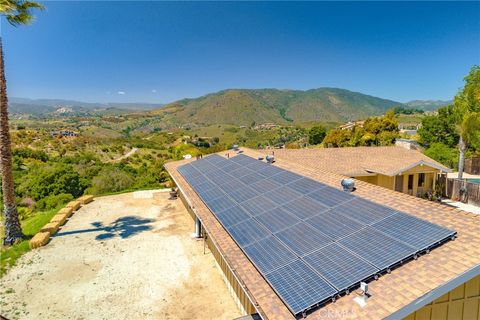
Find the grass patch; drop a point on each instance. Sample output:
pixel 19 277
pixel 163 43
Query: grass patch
pixel 30 226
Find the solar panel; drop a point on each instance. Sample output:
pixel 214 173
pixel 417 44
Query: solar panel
pixel 215 159
pixel 232 186
pixel 277 219
pixel 243 159
pixel 258 205
pixel 330 196
pixel 285 177
pixel 305 185
pixel 220 204
pixel 269 170
pixel 415 232
pixel 205 185
pixel 269 254
pixel 195 179
pixel 243 193
pixel 232 216
pixel 309 240
pixel 251 178
pixel 299 287
pixel 256 166
pixel 210 194
pixel 304 207
pixel 247 232
pixel 231 167
pixel 334 226
pixel 303 239
pixel 340 267
pixel 282 195
pixel 265 185
pixel 188 170
pixel 240 172
pixel 363 211
pixel 377 248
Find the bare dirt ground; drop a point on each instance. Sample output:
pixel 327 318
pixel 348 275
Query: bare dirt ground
pixel 119 257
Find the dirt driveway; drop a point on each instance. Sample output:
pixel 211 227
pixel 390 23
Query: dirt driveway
pixel 119 257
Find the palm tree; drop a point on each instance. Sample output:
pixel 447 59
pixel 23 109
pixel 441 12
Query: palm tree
pixel 17 12
pixel 467 110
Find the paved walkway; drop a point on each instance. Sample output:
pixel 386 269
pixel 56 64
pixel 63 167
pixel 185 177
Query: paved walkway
pixel 463 206
pixel 126 256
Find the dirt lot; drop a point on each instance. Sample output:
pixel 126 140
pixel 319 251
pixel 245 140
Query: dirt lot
pixel 120 257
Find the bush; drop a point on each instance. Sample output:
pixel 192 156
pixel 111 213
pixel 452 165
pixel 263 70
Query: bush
pixel 53 201
pixel 111 180
pixel 45 180
pixel 316 135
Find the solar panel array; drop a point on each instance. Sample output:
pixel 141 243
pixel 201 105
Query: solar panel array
pixel 310 241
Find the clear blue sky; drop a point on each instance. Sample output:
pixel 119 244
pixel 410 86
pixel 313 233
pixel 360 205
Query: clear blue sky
pixel 159 52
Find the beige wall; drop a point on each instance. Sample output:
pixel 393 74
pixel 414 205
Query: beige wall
pixel 462 303
pixel 389 182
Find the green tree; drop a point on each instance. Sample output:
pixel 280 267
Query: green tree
pixel 337 138
pixel 443 154
pixel 440 128
pixel 316 134
pixel 17 13
pixel 467 108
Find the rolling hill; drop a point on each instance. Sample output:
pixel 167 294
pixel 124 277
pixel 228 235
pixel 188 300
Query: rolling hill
pixel 427 105
pixel 59 107
pixel 244 106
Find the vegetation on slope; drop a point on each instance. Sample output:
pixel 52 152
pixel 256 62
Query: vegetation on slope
pixel 243 106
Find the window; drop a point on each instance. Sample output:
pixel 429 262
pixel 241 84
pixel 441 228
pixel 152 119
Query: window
pixel 421 179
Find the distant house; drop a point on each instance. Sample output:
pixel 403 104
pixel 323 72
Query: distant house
pixel 64 133
pixel 349 125
pixel 396 168
pixel 408 144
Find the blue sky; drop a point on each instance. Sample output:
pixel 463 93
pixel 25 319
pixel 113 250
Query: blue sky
pixel 162 51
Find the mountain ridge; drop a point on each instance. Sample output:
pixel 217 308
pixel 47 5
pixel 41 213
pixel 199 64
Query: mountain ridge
pixel 244 106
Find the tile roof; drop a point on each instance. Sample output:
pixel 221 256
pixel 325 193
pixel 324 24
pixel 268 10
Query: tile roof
pixel 390 292
pixel 361 161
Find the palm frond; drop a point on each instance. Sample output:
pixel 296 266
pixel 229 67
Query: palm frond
pixel 18 12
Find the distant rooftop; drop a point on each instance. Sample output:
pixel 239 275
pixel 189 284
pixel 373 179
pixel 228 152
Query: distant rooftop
pixel 361 161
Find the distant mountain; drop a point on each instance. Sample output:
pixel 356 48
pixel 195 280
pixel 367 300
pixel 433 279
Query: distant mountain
pixel 59 107
pixel 244 106
pixel 428 105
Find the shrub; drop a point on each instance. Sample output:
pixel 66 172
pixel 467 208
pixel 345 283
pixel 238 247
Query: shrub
pixel 53 201
pixel 111 180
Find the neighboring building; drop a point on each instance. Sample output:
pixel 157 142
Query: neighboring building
pixel 395 168
pixel 64 133
pixel 408 144
pixel 351 124
pixel 444 284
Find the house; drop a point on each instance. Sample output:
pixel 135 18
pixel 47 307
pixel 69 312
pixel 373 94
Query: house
pixel 351 124
pixel 441 284
pixel 396 168
pixel 64 133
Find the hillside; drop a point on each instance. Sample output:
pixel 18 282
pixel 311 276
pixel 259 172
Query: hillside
pixel 427 105
pixel 244 106
pixel 57 107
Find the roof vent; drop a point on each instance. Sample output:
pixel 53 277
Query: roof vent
pixel 270 159
pixel 348 185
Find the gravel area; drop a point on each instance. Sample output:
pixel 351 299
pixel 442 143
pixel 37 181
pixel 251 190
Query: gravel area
pixel 127 256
